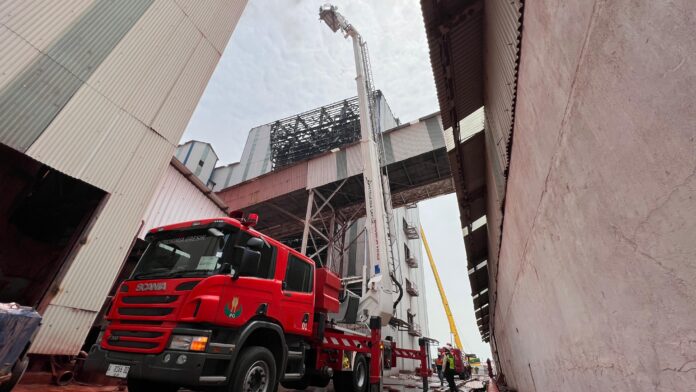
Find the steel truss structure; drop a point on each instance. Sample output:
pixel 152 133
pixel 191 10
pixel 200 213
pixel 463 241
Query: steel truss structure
pixel 307 134
pixel 325 227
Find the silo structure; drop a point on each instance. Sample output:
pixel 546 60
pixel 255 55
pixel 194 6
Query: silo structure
pixel 199 157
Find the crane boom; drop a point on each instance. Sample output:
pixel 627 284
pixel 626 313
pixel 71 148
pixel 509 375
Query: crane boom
pixel 445 304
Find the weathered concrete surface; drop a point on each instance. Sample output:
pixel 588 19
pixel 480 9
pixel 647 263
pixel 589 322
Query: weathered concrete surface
pixel 596 285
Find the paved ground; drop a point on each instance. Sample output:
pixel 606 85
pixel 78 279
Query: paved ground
pixel 391 384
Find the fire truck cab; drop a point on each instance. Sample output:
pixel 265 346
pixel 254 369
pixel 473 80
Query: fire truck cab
pixel 216 298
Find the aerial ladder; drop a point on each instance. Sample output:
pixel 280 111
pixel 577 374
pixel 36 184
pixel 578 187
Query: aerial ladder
pixel 377 298
pixel 453 327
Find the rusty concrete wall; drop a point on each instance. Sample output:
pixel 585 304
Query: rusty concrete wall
pixel 596 286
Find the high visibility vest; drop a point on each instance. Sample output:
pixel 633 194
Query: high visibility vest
pixel 450 361
pixel 438 361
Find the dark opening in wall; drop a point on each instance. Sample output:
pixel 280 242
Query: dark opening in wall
pixel 43 213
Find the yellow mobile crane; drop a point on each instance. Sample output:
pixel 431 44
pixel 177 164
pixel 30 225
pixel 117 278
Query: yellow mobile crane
pixel 445 304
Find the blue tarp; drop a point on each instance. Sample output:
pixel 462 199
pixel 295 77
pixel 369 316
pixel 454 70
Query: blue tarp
pixel 18 324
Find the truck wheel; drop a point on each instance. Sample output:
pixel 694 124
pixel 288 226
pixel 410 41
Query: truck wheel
pixel 17 372
pixel 353 381
pixel 138 385
pixel 255 371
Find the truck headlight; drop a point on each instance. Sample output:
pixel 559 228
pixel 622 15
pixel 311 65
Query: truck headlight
pixel 188 343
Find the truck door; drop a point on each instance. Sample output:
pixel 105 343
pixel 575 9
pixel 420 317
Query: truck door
pixel 298 295
pixel 254 287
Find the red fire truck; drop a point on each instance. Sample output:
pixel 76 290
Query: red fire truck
pixel 462 367
pixel 214 304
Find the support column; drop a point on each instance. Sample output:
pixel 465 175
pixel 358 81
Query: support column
pixel 307 222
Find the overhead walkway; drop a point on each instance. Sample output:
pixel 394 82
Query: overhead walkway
pixel 331 184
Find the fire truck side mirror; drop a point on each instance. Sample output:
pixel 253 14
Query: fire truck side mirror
pixel 250 262
pixel 255 243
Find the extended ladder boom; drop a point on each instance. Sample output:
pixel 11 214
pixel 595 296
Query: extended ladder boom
pixel 377 298
pixel 445 304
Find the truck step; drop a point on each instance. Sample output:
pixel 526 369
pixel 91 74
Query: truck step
pixel 295 355
pixel 292 376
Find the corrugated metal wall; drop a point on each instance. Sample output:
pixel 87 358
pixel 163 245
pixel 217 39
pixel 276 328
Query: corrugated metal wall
pixel 417 138
pixel 267 187
pixel 501 61
pixel 256 157
pixel 223 175
pixel 502 36
pixel 177 200
pixel 404 142
pixel 134 72
pixel 321 170
pixel 33 98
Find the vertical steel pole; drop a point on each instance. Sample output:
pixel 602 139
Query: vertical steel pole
pixel 307 222
pixel 425 366
pixel 332 241
pixel 376 354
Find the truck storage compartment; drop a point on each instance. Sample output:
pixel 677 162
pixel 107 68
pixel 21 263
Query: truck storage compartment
pixel 328 286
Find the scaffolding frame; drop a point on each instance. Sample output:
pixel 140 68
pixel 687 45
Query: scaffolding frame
pixel 296 138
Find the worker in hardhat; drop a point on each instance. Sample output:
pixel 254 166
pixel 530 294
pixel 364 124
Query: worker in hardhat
pixel 450 370
pixel 438 367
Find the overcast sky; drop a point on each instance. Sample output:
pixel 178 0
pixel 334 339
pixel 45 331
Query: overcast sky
pixel 281 60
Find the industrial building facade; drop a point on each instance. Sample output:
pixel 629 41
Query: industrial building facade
pixel 94 97
pixel 296 138
pixel 582 272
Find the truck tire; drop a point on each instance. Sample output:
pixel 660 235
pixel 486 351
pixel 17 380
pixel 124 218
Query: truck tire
pixel 255 371
pixel 138 385
pixel 17 372
pixel 356 380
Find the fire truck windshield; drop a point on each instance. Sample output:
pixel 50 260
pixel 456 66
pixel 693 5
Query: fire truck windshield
pixel 198 253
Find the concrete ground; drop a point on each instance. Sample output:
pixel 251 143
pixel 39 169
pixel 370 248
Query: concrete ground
pixel 391 385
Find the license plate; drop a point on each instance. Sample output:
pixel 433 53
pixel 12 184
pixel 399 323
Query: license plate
pixel 120 371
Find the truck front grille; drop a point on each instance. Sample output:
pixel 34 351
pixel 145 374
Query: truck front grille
pixel 149 299
pixel 133 344
pixel 145 311
pixel 137 334
pixel 135 337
